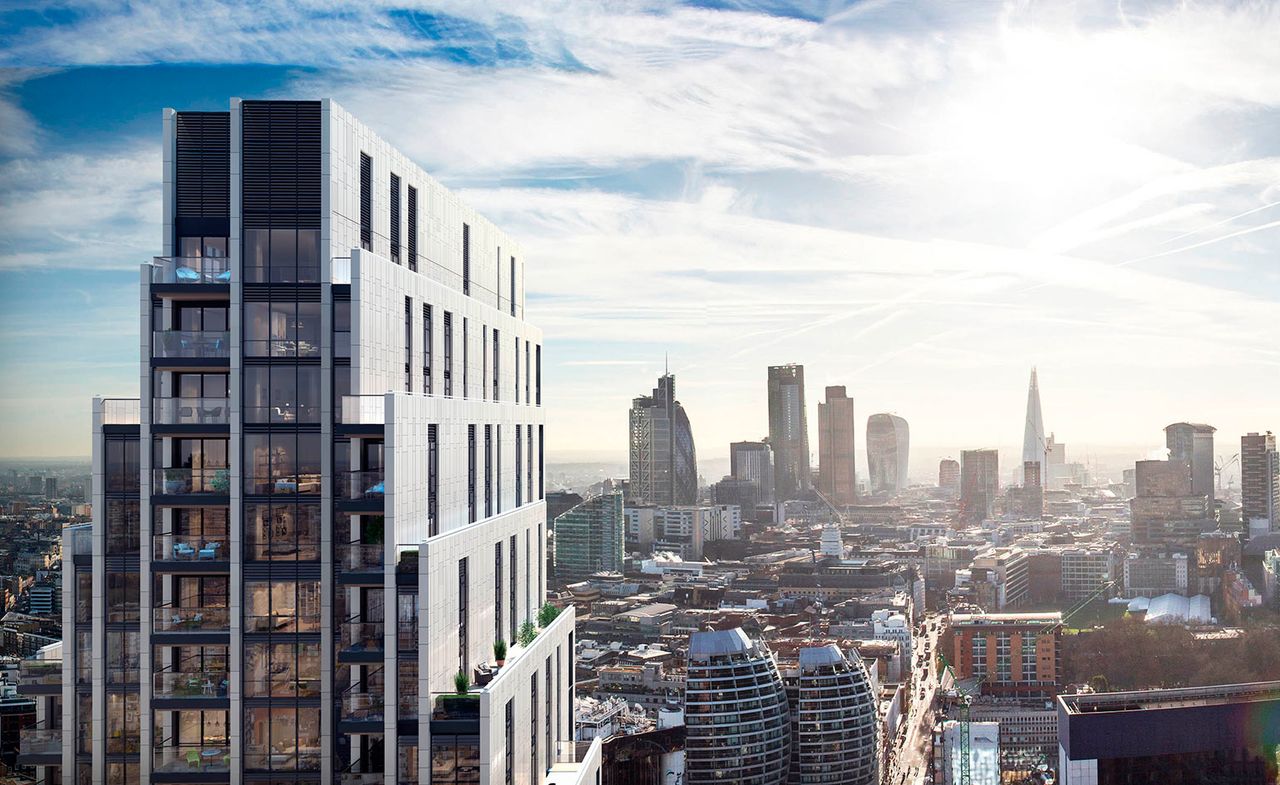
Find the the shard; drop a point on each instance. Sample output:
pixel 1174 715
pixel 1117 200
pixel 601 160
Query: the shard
pixel 1033 431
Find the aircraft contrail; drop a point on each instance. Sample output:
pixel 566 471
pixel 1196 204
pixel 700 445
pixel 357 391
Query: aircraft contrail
pixel 1220 223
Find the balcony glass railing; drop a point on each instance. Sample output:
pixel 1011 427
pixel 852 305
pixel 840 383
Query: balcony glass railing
pixel 361 410
pixel 360 484
pixel 282 622
pixel 185 684
pixel 191 269
pixel 181 480
pixel 190 547
pixel 200 619
pixel 45 672
pixel 407 635
pixel 121 411
pixel 191 411
pixel 408 706
pixel 360 778
pixel 191 758
pixel 40 741
pixel 282 685
pixel 362 636
pixel 359 557
pixel 190 344
pixel 362 706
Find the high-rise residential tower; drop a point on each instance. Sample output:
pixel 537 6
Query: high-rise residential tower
pixel 1192 444
pixel 979 484
pixel 888 446
pixel 1259 481
pixel 949 477
pixel 739 735
pixel 836 476
pixel 1033 446
pixel 834 729
pixel 328 501
pixel 753 462
pixel 788 432
pixel 589 538
pixel 664 466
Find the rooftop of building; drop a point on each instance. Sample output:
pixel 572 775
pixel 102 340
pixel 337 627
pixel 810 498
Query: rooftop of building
pixel 1180 697
pixel 1051 617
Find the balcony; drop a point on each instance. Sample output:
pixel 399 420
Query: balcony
pixel 407 635
pixel 361 410
pixel 191 270
pixel 191 758
pixel 360 484
pixel 360 778
pixel 121 411
pixel 178 481
pixel 362 637
pixel 36 674
pixel 408 708
pixel 40 741
pixel 191 411
pixel 178 685
pixel 198 619
pixel 282 685
pixel 190 344
pixel 359 706
pixel 190 547
pixel 359 557
pixel 283 622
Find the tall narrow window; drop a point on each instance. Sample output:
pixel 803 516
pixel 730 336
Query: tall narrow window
pixel 497 285
pixel 537 387
pixel 471 473
pixel 526 372
pixel 497 469
pixel 528 573
pixel 496 351
pixel 366 202
pixel 546 708
pixel 412 239
pixel 463 588
pixel 513 286
pixel 408 343
pixel 466 259
pixel 488 470
pixel 519 476
pixel 395 218
pixel 433 481
pixel 510 721
pixel 466 362
pixel 515 367
pixel 533 726
pixel 529 467
pixel 539 589
pixel 484 360
pixel 497 591
pixel 448 354
pixel 513 621
pixel 426 348
pixel 559 692
pixel 541 444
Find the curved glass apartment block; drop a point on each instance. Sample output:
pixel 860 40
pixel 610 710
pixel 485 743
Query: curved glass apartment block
pixel 833 721
pixel 736 718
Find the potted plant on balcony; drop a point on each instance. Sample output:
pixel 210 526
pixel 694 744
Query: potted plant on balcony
pixel 462 703
pixel 527 633
pixel 499 652
pixel 547 614
pixel 174 480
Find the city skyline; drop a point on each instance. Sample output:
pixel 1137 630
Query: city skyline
pixel 1132 283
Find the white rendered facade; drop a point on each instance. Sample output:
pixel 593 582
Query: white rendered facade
pixel 365 481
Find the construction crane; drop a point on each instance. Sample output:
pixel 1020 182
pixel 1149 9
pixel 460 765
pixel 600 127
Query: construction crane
pixel 1222 464
pixel 1104 587
pixel 965 699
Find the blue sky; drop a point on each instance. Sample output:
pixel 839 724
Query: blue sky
pixel 917 200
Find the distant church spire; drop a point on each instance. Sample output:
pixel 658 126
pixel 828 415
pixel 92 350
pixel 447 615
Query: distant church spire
pixel 1033 431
